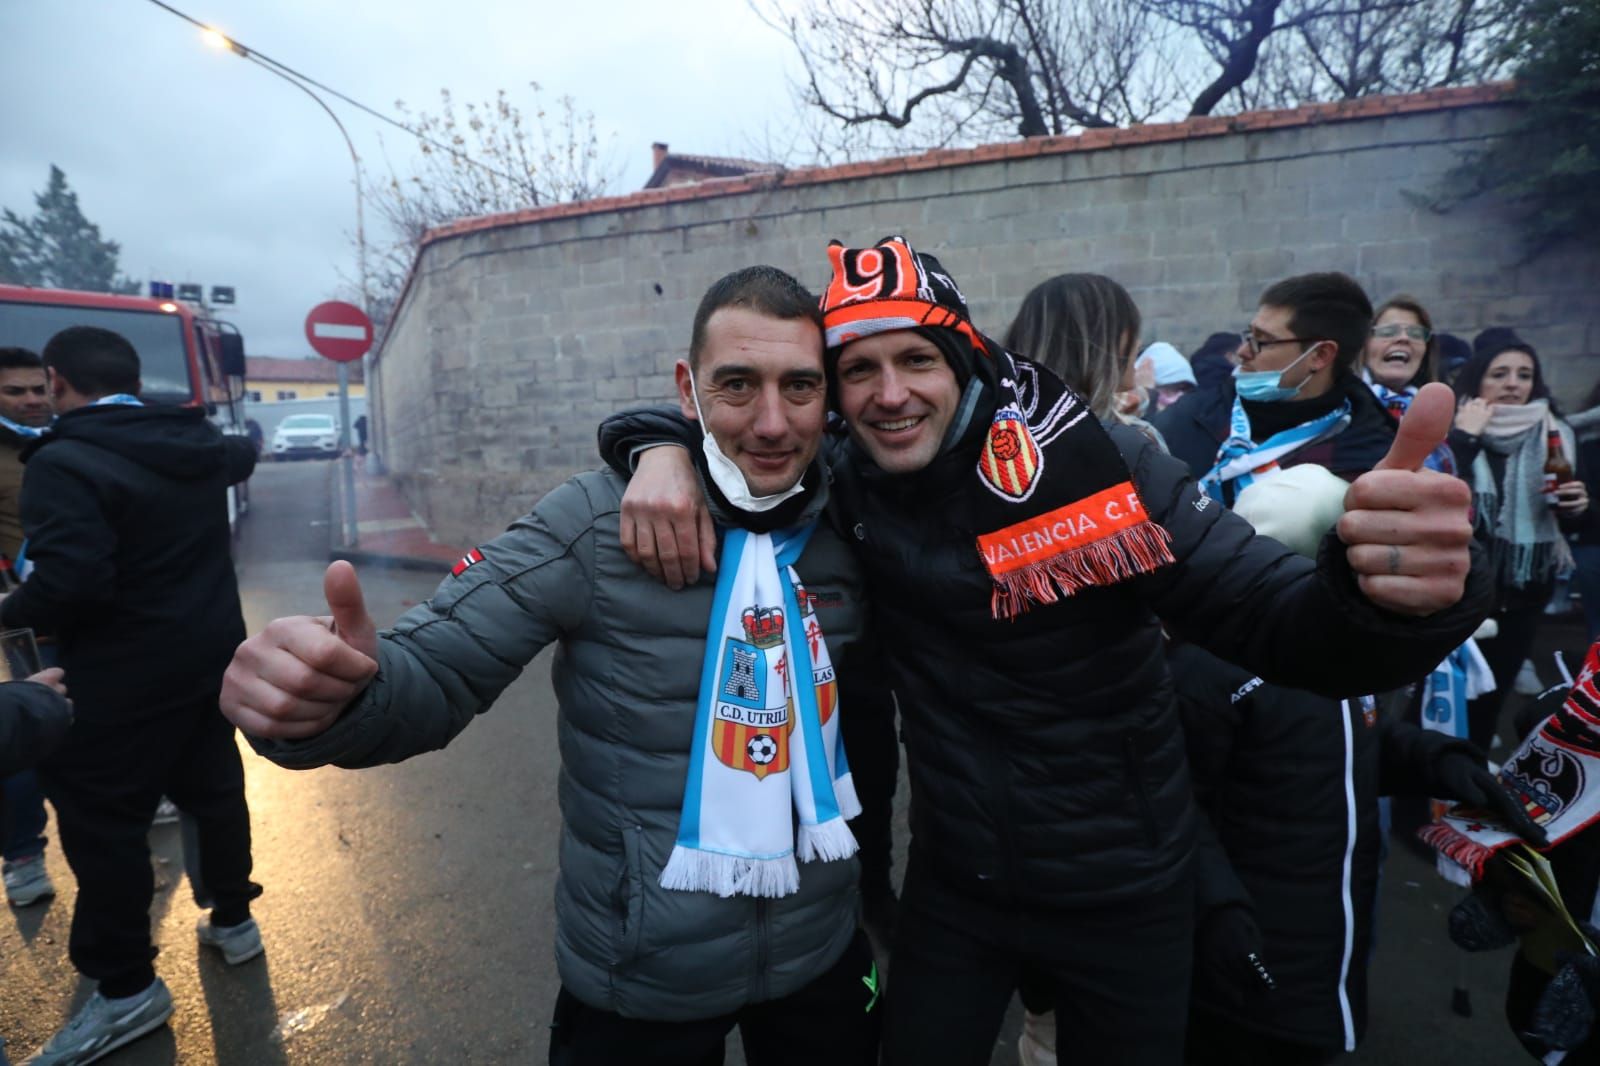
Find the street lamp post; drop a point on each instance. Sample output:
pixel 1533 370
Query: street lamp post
pixel 221 40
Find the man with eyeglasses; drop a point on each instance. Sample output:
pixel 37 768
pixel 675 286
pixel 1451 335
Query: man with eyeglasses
pixel 1295 397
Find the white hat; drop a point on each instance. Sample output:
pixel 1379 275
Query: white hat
pixel 1295 506
pixel 1169 365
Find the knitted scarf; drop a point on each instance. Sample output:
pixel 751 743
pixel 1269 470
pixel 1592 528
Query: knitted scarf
pixel 1555 772
pixel 1397 403
pixel 767 748
pixel 1514 514
pixel 25 432
pixel 1055 503
pixel 1241 458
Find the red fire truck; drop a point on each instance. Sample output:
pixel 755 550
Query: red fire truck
pixel 184 357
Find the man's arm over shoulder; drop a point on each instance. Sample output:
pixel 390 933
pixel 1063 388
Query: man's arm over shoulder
pixel 71 543
pixel 624 434
pixel 1255 603
pixel 447 660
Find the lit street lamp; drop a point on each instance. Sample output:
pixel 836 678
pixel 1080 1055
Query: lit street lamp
pixel 217 39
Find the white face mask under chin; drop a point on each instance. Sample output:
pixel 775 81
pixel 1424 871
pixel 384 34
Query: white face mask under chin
pixel 727 476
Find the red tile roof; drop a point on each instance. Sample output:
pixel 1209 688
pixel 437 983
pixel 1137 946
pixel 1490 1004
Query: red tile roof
pixel 280 368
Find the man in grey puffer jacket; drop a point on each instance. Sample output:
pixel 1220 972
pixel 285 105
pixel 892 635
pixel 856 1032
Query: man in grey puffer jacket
pixel 648 975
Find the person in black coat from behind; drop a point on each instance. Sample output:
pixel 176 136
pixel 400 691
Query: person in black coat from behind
pixel 1287 863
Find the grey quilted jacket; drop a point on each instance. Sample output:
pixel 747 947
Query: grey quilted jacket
pixel 626 677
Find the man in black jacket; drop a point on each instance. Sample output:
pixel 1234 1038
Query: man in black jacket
pixel 1295 396
pixel 1052 817
pixel 126 515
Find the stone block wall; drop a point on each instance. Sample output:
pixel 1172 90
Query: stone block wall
pixel 517 334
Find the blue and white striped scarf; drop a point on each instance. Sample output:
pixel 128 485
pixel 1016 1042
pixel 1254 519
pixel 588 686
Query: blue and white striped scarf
pixel 1240 458
pixel 767 750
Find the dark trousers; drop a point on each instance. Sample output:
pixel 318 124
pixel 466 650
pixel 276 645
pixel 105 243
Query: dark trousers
pixel 1216 1041
pixel 1505 653
pixel 833 1020
pixel 1118 975
pixel 22 817
pixel 104 783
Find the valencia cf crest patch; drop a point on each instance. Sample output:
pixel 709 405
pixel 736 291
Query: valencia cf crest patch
pixel 1010 463
pixel 472 558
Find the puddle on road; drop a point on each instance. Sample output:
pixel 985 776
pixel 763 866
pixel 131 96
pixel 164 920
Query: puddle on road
pixel 293 1023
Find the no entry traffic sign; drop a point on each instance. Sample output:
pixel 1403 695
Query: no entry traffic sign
pixel 339 331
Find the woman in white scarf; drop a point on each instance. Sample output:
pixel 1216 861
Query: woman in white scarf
pixel 1505 431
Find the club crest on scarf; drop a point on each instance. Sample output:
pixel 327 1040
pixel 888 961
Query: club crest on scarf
pixel 749 733
pixel 1010 461
pixel 822 676
pixel 1555 773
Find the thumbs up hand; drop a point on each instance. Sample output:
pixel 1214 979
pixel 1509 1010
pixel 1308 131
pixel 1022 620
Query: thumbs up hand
pixel 1407 530
pixel 295 677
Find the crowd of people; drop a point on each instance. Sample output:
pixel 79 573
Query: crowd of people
pixel 1156 632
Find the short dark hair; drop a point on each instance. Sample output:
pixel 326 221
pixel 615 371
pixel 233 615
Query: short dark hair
pixel 94 361
pixel 1080 326
pixel 1328 306
pixel 765 290
pixel 19 359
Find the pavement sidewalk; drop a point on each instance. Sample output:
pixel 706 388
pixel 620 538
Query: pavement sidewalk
pixel 388 532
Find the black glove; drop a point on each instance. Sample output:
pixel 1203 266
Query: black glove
pixel 1462 775
pixel 1564 1016
pixel 1476 924
pixel 1229 957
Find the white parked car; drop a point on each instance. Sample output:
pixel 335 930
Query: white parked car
pixel 306 435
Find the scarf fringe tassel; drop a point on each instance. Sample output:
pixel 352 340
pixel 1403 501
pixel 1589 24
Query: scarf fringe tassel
pixel 844 794
pixel 1466 853
pixel 1137 550
pixel 691 870
pixel 829 841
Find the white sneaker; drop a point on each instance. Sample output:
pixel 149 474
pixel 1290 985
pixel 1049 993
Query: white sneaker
pixel 26 881
pixel 238 943
pixel 103 1025
pixel 1527 682
pixel 1037 1045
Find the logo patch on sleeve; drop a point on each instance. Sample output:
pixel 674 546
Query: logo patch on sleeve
pixel 472 558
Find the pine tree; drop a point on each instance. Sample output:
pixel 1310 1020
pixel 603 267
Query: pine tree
pixel 58 247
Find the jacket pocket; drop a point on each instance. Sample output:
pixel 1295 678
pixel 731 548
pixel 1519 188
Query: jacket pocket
pixel 1141 792
pixel 629 902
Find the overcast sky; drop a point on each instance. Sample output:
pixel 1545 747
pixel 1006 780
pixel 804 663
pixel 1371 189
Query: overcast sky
pixel 207 168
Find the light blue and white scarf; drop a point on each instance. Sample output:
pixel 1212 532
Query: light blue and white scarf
pixel 1464 675
pixel 767 750
pixel 1240 458
pixel 25 432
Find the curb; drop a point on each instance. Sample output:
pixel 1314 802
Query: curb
pixel 381 560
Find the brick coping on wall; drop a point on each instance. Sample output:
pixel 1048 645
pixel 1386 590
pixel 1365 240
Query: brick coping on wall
pixel 1365 107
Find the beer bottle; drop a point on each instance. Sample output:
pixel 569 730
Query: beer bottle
pixel 1557 471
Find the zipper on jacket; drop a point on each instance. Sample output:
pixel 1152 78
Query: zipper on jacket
pixel 1130 747
pixel 761 951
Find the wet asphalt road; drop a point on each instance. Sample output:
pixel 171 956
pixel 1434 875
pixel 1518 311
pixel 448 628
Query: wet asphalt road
pixel 407 914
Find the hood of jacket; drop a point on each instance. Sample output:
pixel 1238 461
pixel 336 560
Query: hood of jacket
pixel 177 442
